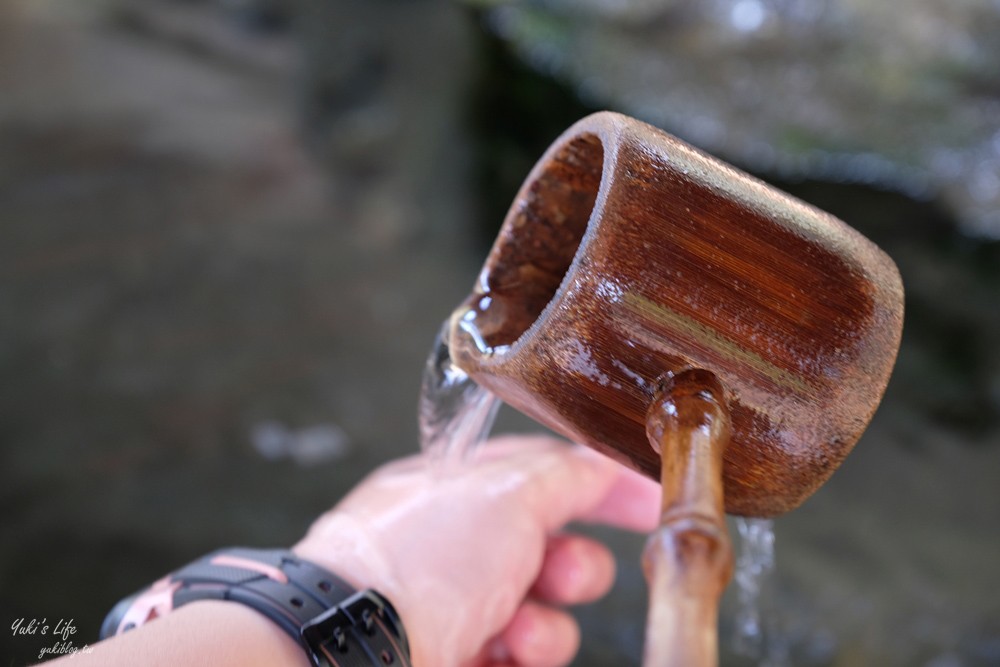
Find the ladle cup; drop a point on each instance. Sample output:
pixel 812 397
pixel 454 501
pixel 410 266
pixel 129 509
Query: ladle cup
pixel 628 255
pixel 656 304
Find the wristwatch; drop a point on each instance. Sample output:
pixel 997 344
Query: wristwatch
pixel 335 625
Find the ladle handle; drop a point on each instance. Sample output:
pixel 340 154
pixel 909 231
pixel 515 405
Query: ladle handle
pixel 688 560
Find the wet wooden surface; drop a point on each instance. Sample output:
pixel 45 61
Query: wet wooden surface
pixel 670 260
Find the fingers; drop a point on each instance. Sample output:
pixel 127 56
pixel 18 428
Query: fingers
pixel 575 482
pixel 575 570
pixel 571 483
pixel 633 502
pixel 539 636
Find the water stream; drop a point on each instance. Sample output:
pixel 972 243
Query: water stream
pixel 752 636
pixel 455 413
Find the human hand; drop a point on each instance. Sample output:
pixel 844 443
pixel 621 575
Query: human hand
pixel 473 558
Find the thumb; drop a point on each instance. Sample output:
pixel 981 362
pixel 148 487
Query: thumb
pixel 572 482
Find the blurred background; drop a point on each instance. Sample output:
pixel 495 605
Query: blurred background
pixel 230 229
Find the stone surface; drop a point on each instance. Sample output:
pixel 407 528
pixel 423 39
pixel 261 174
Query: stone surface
pixel 896 94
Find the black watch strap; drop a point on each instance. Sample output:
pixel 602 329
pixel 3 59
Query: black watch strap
pixel 336 626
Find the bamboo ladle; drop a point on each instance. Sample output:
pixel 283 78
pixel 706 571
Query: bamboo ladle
pixel 692 322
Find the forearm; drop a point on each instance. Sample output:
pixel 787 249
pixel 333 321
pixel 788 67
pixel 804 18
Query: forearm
pixel 202 633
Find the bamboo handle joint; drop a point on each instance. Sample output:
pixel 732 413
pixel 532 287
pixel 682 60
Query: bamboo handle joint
pixel 688 560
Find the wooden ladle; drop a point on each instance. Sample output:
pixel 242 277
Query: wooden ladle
pixel 643 293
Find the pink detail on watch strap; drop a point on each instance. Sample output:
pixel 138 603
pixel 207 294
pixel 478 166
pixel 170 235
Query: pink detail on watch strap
pixel 154 602
pixel 268 571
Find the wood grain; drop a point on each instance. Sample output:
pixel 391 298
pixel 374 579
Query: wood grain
pixel 628 254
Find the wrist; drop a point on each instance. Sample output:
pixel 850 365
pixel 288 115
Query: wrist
pixel 209 632
pixel 346 550
pixel 229 629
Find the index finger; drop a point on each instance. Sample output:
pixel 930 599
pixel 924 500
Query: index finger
pixel 576 483
pixel 632 502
